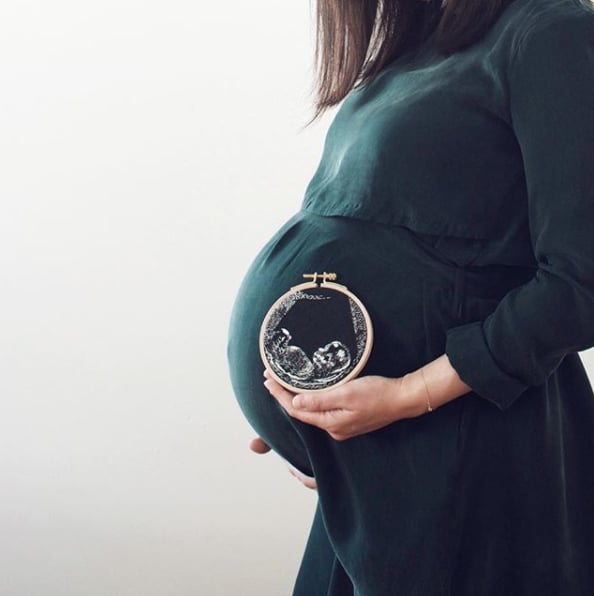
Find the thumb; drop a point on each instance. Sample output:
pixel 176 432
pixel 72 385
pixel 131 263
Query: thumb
pixel 257 445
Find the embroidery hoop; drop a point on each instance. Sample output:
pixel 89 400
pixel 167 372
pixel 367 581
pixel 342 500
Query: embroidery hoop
pixel 331 363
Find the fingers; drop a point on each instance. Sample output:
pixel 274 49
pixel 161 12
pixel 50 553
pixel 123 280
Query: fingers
pixel 284 397
pixel 257 445
pixel 332 421
pixel 307 481
pixel 331 399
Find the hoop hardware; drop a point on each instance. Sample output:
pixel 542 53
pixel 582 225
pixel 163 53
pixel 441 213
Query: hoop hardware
pixel 325 277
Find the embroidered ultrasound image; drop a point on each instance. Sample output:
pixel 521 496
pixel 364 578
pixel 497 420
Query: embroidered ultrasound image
pixel 314 338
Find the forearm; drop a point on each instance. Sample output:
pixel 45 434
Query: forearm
pixel 437 383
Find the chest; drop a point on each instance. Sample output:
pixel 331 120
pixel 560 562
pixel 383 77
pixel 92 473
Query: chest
pixel 426 141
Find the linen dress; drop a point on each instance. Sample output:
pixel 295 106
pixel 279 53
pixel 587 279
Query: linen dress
pixel 455 197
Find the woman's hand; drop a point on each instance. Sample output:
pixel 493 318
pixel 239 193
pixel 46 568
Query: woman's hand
pixel 307 481
pixel 257 445
pixel 357 407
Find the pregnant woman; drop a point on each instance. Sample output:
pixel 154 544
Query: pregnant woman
pixel 455 198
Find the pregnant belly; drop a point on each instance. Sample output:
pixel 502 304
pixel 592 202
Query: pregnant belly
pixel 406 290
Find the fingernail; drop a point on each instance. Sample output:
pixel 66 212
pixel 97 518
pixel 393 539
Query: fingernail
pixel 297 401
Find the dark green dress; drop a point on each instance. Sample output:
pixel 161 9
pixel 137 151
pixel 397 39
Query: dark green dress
pixel 455 197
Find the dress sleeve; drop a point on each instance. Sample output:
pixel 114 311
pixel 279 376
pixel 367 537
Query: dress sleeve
pixel 551 92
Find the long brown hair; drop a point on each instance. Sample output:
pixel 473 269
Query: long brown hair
pixel 355 39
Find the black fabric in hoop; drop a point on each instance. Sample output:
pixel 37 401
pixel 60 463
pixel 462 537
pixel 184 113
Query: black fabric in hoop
pixel 316 336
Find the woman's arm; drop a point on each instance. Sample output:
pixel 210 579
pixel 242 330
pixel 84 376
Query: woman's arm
pixel 437 382
pixel 368 403
pixel 550 82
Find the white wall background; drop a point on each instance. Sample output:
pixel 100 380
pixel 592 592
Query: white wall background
pixel 148 150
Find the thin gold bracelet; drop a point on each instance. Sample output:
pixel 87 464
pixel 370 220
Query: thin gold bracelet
pixel 429 407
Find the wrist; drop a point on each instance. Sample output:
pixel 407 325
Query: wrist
pixel 414 392
pixel 437 383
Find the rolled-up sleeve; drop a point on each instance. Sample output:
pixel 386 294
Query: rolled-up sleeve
pixel 551 102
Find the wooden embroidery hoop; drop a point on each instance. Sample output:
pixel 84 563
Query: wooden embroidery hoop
pixel 327 283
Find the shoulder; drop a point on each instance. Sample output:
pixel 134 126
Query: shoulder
pixel 546 22
pixel 542 13
pixel 542 32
